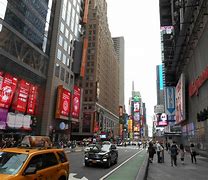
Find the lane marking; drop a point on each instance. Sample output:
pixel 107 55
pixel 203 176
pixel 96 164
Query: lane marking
pixel 119 166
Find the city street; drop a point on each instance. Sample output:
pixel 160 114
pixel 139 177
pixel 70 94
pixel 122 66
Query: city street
pixel 122 170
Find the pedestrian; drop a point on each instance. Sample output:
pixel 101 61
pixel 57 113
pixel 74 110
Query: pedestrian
pixel 173 153
pixel 193 153
pixel 151 151
pixel 159 150
pixel 182 153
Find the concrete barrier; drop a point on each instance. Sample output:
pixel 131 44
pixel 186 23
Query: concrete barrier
pixel 142 174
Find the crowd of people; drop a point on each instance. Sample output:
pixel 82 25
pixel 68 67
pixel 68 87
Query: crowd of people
pixel 175 151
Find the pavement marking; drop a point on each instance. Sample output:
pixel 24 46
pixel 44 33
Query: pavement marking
pixel 119 166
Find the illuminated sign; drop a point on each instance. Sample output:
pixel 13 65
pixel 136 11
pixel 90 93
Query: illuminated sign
pixel 76 102
pixel 63 103
pixel 196 84
pixel 7 90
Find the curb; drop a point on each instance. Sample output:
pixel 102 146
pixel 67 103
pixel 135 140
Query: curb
pixel 142 174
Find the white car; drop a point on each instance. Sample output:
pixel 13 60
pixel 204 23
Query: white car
pixel 87 149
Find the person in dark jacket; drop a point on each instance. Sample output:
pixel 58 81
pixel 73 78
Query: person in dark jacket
pixel 173 153
pixel 151 151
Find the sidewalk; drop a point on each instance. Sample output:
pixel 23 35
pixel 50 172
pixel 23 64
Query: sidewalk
pixel 164 171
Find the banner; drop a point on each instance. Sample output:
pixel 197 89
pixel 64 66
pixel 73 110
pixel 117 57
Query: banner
pixel 7 91
pixel 63 103
pixel 21 96
pixel 33 92
pixel 76 102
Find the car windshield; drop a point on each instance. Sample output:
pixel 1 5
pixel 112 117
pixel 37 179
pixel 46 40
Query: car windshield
pixel 10 163
pixel 105 147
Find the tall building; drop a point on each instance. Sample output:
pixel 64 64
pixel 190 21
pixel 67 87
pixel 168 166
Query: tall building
pixel 36 56
pixel 120 51
pixel 25 32
pixel 101 80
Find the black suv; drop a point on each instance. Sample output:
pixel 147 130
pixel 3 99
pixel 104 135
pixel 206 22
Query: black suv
pixel 105 154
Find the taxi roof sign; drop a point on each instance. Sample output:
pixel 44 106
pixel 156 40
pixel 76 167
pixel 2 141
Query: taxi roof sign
pixel 37 141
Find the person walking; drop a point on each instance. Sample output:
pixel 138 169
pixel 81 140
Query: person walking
pixel 173 153
pixel 182 153
pixel 159 150
pixel 193 153
pixel 151 151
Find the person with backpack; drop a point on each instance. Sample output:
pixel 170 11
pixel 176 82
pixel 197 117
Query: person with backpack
pixel 173 153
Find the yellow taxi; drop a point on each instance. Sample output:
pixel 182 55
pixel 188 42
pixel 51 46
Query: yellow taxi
pixel 34 159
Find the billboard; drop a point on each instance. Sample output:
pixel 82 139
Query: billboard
pixel 76 102
pixel 63 103
pixel 170 103
pixel 33 92
pixel 21 96
pixel 7 90
pixel 180 100
pixel 161 120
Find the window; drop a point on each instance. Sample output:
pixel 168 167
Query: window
pixel 62 157
pixel 62 27
pixel 57 70
pixel 49 160
pixel 60 40
pixel 65 45
pixel 59 54
pixel 64 59
pixel 67 78
pixel 62 73
pixel 67 33
pixel 64 13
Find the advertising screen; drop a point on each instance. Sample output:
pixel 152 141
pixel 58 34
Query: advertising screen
pixel 63 103
pixel 76 102
pixel 7 90
pixel 33 92
pixel 21 96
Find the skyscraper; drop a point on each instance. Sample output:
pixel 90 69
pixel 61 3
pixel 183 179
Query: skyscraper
pixel 101 80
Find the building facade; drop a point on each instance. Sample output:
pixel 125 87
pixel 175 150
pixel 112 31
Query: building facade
pixel 185 66
pixel 25 32
pixel 36 57
pixel 101 80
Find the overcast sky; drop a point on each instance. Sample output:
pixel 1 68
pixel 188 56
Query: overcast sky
pixel 138 21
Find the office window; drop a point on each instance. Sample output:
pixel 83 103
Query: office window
pixel 67 33
pixel 60 40
pixel 62 73
pixel 62 27
pixel 67 78
pixel 57 70
pixel 59 54
pixel 64 59
pixel 65 45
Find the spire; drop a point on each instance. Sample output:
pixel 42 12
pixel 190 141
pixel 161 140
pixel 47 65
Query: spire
pixel 132 85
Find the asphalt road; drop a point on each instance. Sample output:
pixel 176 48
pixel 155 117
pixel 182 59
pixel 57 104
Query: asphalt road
pixel 79 171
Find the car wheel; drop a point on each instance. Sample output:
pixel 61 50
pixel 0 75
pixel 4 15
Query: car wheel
pixel 108 163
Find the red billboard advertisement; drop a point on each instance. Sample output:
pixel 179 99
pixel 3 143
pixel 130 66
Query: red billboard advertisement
pixel 32 99
pixel 7 91
pixel 76 102
pixel 21 96
pixel 63 103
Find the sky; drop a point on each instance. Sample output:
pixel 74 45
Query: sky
pixel 139 23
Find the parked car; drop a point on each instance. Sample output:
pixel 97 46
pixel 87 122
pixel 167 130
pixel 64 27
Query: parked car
pixel 34 159
pixel 106 155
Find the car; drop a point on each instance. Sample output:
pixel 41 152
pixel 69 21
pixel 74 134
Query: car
pixel 106 155
pixel 34 158
pixel 87 148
